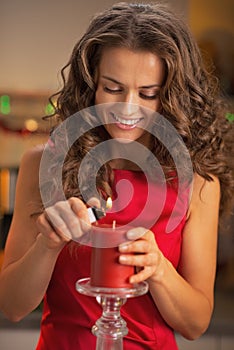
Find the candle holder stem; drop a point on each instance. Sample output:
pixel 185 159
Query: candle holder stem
pixel 109 344
pixel 111 327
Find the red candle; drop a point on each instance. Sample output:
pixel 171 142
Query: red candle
pixel 106 271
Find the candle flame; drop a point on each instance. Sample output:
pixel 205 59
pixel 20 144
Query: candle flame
pixel 109 203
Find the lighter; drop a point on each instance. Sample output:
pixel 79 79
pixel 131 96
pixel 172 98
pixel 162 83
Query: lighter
pixel 95 214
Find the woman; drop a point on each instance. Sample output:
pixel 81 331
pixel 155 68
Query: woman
pixel 138 57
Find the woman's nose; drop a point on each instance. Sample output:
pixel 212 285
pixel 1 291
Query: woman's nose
pixel 130 103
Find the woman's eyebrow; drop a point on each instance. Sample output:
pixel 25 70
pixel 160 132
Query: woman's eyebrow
pixel 112 79
pixel 119 83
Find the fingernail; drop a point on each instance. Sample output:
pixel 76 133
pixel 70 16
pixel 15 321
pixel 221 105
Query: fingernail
pixel 136 233
pixel 123 258
pixel 131 234
pixel 123 248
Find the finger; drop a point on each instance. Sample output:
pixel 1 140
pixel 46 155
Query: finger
pixel 138 259
pixel 143 244
pixel 136 233
pixel 94 202
pixel 44 225
pixel 138 246
pixel 80 211
pixel 69 218
pixel 79 208
pixel 46 229
pixel 143 275
pixel 57 222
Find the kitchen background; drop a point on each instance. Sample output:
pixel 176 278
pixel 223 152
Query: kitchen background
pixel 36 41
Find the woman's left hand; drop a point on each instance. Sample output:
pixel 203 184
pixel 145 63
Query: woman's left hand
pixel 146 255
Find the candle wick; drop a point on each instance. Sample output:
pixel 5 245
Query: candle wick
pixel 114 224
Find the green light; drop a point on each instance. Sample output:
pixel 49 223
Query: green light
pixel 230 117
pixel 5 106
pixel 49 109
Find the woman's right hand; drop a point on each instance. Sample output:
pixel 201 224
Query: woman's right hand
pixel 64 221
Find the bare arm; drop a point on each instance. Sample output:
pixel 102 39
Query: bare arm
pixel 185 297
pixel 33 244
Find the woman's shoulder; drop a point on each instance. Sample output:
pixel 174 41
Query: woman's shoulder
pixel 30 165
pixel 204 192
pixel 28 189
pixel 33 154
pixel 201 184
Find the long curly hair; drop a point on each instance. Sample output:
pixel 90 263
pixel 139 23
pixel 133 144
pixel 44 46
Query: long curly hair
pixel 190 96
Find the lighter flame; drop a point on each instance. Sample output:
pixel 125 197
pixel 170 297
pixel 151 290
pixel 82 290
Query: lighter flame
pixel 109 203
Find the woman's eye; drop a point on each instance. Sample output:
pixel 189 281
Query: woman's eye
pixel 149 97
pixel 111 91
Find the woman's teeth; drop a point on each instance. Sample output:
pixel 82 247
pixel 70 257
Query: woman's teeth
pixel 126 121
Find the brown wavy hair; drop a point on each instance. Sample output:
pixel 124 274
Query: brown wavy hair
pixel 190 96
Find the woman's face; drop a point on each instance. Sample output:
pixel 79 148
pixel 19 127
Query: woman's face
pixel 134 79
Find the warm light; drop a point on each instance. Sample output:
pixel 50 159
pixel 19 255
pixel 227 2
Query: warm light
pixel 4 190
pixel 49 109
pixel 109 203
pixel 31 125
pixel 230 117
pixel 5 106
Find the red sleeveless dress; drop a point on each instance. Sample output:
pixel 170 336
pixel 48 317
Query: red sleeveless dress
pixel 69 316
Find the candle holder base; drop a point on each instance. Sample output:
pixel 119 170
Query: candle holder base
pixel 110 328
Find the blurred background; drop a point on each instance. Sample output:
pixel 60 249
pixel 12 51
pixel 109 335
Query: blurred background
pixel 36 39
